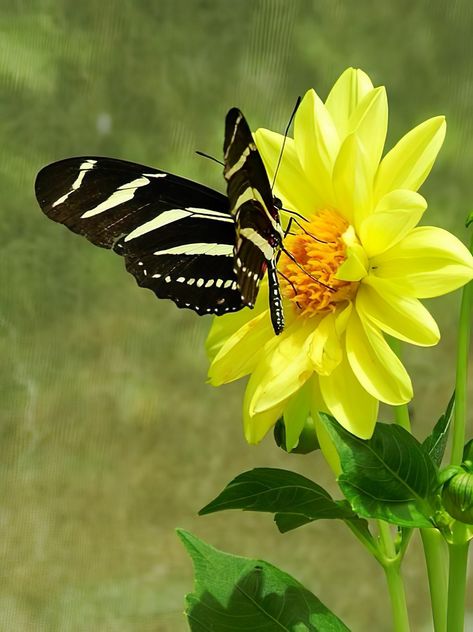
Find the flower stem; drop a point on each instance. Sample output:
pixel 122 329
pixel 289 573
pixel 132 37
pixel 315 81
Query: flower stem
pixel 463 345
pixel 457 586
pixel 434 547
pixel 436 562
pixel 392 569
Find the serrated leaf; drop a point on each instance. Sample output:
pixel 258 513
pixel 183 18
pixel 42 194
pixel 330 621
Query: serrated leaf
pixel 294 499
pixel 388 477
pixel 436 442
pixel 234 594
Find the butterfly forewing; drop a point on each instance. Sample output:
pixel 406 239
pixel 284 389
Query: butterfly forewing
pixel 258 230
pixel 177 236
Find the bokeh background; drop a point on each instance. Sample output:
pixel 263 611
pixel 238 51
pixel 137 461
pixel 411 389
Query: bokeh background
pixel 109 435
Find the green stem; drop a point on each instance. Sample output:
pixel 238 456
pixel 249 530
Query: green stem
pixel 367 542
pixel 463 345
pixel 392 569
pixel 457 586
pixel 436 562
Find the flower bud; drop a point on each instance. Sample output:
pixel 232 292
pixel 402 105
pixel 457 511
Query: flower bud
pixel 457 496
pixel 308 441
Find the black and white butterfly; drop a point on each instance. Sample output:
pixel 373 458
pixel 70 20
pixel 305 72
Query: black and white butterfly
pixel 203 250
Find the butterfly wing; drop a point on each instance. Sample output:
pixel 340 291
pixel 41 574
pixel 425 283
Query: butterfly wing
pixel 177 236
pixel 251 203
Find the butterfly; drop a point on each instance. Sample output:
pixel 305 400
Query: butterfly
pixel 184 241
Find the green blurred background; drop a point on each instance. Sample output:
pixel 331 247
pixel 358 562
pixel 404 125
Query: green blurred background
pixel 110 437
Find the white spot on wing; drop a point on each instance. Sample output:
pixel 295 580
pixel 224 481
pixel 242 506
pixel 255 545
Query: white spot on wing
pixel 198 249
pixel 174 215
pixel 84 167
pixel 123 194
pixel 259 241
pixel 240 162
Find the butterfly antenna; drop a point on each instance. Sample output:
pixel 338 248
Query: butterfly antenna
pixel 298 102
pixel 201 153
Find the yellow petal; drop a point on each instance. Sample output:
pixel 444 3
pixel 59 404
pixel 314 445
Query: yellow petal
pixel 375 364
pixel 408 164
pixel 317 144
pixel 325 350
pixel 395 215
pixel 237 356
pixel 284 367
pixel 256 426
pixel 355 266
pixel 370 122
pixel 326 444
pixel 291 185
pixel 396 314
pixel 352 406
pixel 347 92
pixel 352 181
pixel 226 325
pixel 428 262
pixel 296 411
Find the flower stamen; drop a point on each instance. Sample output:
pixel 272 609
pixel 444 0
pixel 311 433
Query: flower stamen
pixel 310 261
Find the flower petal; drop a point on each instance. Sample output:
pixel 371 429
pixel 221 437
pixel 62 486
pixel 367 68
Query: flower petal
pixel 291 185
pixel 317 144
pixel 237 356
pixel 226 325
pixel 256 426
pixel 408 164
pixel 353 407
pixel 284 367
pixel 396 314
pixel 355 266
pixel 325 350
pixel 352 181
pixel 375 364
pixel 397 213
pixel 296 411
pixel 347 92
pixel 428 262
pixel 327 446
pixel 370 122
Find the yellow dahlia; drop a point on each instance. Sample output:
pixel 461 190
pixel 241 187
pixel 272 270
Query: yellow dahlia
pixel 373 261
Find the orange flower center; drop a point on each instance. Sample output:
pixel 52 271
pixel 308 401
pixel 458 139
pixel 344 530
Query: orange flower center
pixel 319 250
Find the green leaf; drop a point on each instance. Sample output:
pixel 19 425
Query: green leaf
pixel 294 499
pixel 233 594
pixel 388 477
pixel 436 442
pixel 468 455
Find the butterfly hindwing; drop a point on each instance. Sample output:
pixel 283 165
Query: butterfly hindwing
pixel 177 236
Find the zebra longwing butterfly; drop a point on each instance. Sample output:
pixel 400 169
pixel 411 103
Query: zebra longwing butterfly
pixel 182 240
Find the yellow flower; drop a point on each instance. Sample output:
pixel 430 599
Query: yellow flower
pixel 361 241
